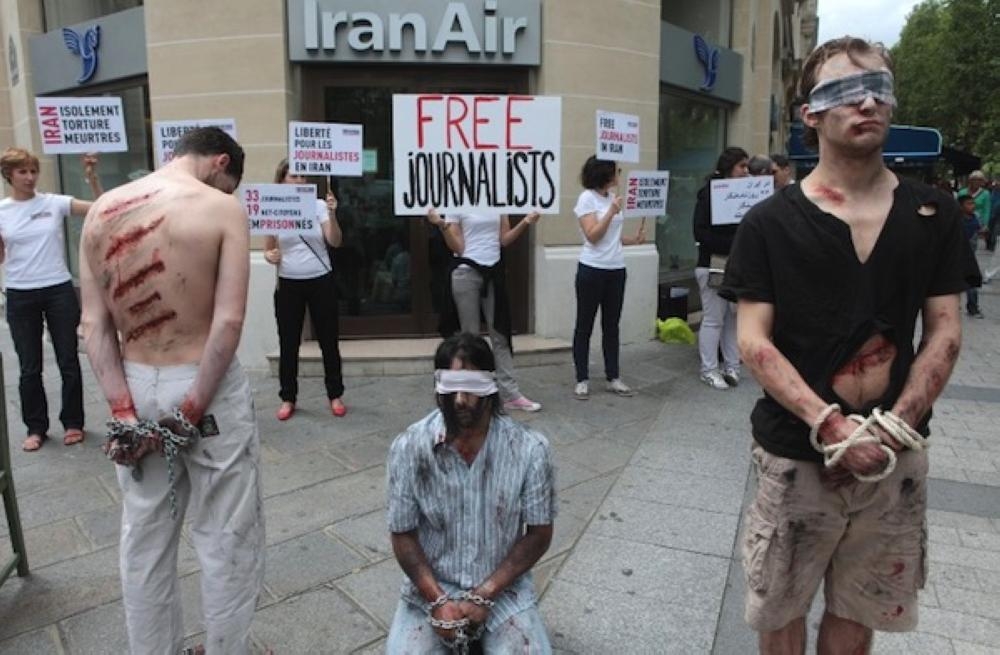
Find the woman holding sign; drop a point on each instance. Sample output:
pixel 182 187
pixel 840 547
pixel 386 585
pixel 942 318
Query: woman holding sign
pixel 718 319
pixel 305 279
pixel 40 291
pixel 600 275
pixel 477 284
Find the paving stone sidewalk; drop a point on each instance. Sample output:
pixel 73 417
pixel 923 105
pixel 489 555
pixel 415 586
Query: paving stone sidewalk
pixel 650 496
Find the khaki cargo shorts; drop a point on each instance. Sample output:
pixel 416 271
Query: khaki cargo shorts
pixel 868 541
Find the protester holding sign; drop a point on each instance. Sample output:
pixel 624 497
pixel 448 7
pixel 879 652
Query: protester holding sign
pixel 40 290
pixel 718 318
pixel 477 284
pixel 600 275
pixel 305 279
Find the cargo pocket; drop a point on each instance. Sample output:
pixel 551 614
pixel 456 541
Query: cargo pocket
pixel 757 539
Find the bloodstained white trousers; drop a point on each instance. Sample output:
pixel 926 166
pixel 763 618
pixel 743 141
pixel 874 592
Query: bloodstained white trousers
pixel 217 482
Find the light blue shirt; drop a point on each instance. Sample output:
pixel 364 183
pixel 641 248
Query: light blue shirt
pixel 468 516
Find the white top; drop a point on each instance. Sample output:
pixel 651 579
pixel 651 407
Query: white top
pixel 304 256
pixel 32 233
pixel 481 233
pixel 607 252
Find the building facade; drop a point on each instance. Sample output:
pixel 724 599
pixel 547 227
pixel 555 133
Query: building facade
pixel 264 63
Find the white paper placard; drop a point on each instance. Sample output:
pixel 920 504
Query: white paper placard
pixel 331 149
pixel 732 197
pixel 166 134
pixel 617 137
pixel 646 194
pixel 80 125
pixel 476 152
pixel 280 208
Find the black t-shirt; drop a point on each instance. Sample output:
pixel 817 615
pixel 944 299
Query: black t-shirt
pixel 827 304
pixel 711 239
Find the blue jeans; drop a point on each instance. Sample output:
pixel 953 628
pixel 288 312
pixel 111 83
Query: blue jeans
pixel 27 311
pixel 411 634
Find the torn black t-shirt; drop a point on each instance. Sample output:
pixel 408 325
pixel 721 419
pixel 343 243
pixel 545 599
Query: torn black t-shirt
pixel 827 303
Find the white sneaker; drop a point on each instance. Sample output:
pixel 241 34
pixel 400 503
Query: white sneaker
pixel 523 404
pixel 582 390
pixel 715 380
pixel 731 376
pixel 619 387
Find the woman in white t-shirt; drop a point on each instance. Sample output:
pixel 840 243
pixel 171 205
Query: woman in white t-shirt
pixel 477 284
pixel 40 291
pixel 600 275
pixel 305 279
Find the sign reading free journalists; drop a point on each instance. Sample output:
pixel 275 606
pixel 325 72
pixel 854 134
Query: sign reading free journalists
pixel 505 32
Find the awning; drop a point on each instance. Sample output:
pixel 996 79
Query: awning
pixel 906 145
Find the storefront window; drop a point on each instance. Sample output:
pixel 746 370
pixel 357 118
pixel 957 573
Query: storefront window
pixel 692 134
pixel 114 168
pixel 60 13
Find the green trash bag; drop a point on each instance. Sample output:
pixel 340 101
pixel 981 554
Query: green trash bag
pixel 674 330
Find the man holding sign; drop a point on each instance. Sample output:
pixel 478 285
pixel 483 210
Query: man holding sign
pixel 164 273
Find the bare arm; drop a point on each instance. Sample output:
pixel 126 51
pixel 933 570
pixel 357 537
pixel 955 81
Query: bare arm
pixel 101 340
pixel 81 207
pixel 783 382
pixel 508 234
pixel 331 229
pixel 228 312
pixel 594 226
pixel 639 238
pixel 939 348
pixel 522 556
pixel 272 254
pixel 3 251
pixel 410 555
pixel 452 232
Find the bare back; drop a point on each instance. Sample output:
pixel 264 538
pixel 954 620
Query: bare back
pixel 153 249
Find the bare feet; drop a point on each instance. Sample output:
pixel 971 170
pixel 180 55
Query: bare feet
pixel 72 436
pixel 33 442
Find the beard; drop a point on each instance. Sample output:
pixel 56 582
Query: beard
pixel 468 416
pixel 462 417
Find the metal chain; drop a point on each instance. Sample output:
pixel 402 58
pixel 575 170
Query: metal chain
pixel 460 644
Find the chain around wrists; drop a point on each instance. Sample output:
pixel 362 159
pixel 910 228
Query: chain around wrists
pixel 440 601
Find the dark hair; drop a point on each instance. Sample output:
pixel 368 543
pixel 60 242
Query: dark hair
pixel 474 353
pixel 597 173
pixel 851 46
pixel 727 160
pixel 281 172
pixel 209 141
pixel 780 160
pixel 759 165
pixel 962 198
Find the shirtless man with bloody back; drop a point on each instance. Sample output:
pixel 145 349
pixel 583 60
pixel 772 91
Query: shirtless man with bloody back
pixel 164 270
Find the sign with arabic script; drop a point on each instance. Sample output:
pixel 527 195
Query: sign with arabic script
pixel 733 197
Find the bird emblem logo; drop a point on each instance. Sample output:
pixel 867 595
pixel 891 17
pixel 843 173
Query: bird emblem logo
pixel 84 46
pixel 709 58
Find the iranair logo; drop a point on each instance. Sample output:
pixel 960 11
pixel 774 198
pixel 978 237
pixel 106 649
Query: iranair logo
pixel 85 47
pixel 709 58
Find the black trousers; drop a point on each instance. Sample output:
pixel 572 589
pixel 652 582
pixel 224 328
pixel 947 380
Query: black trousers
pixel 27 311
pixel 604 289
pixel 291 297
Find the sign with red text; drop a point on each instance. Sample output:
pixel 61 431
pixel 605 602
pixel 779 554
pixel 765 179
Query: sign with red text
pixel 732 197
pixel 79 125
pixel 476 152
pixel 617 137
pixel 646 194
pixel 280 208
pixel 166 134
pixel 332 149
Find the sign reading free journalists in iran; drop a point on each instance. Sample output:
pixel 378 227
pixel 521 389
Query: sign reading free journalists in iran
pixel 506 32
pixel 469 152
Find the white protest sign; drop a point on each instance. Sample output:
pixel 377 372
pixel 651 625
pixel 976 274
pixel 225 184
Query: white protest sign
pixel 331 149
pixel 79 125
pixel 732 197
pixel 646 194
pixel 476 152
pixel 617 136
pixel 166 134
pixel 280 208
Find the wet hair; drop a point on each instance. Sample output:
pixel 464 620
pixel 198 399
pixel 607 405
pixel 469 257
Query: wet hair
pixel 474 353
pixel 208 141
pixel 281 172
pixel 16 158
pixel 728 160
pixel 597 173
pixel 759 165
pixel 780 161
pixel 851 46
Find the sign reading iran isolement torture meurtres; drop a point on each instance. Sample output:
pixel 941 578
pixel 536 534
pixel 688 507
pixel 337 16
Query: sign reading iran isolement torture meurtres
pixel 80 125
pixel 476 152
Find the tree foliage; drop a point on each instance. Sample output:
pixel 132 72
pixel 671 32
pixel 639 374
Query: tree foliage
pixel 948 73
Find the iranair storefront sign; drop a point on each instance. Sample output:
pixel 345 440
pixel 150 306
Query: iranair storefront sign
pixel 504 32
